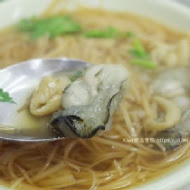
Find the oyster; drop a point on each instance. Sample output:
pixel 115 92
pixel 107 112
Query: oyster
pixel 89 102
pixel 177 135
pixel 174 85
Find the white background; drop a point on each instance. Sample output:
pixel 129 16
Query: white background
pixel 186 3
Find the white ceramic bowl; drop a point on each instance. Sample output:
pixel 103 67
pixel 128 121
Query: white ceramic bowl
pixel 165 11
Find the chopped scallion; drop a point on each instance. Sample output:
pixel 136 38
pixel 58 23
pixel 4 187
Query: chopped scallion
pixel 144 63
pixel 52 26
pixel 109 32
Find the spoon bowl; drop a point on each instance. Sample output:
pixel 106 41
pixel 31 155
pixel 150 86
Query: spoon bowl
pixel 20 81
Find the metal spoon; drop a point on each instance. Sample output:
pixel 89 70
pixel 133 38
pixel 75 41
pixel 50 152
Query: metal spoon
pixel 20 80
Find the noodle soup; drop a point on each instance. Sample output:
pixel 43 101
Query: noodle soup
pixel 137 148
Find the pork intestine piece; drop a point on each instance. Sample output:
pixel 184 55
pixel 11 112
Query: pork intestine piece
pixel 47 97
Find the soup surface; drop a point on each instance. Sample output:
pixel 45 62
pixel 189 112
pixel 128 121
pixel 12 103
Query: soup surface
pixel 149 134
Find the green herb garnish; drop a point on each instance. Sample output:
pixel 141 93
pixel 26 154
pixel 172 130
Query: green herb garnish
pixel 53 26
pixel 109 32
pixel 144 63
pixel 140 56
pixel 138 50
pixel 130 34
pixel 5 97
pixel 77 75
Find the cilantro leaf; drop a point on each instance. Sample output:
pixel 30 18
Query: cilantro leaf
pixel 5 97
pixel 53 26
pixel 77 75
